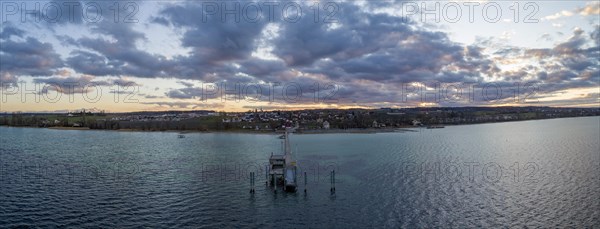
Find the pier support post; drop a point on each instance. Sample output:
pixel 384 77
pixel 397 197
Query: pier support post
pixel 252 182
pixel 305 182
pixel 332 180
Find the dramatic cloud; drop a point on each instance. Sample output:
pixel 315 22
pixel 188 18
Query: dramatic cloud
pixel 187 105
pixel 592 8
pixel 9 31
pixel 364 55
pixel 29 57
pixel 69 85
pixel 119 57
pixel 79 84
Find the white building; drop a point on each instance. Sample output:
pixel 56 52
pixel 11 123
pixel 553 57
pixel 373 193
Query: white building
pixel 326 125
pixel 416 122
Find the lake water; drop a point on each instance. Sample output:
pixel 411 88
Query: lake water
pixel 543 173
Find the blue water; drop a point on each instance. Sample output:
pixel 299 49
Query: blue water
pixel 543 173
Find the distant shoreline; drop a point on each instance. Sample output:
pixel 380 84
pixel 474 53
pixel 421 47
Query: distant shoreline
pixel 277 132
pixel 329 131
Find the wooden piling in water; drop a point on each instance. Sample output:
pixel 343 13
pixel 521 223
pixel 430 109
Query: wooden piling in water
pixel 305 182
pixel 332 180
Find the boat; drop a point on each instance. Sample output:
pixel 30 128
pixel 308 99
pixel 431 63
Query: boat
pixel 282 137
pixel 282 167
pixel 435 127
pixel 181 136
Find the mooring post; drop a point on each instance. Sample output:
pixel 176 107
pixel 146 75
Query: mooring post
pixel 331 181
pixel 304 182
pixel 334 180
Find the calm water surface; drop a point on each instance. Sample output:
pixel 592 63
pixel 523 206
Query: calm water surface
pixel 542 173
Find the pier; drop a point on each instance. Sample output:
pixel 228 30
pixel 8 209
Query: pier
pixel 282 167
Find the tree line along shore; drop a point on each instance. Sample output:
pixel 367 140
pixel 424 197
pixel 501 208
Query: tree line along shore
pixel 308 121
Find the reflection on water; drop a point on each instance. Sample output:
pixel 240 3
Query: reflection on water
pixel 533 173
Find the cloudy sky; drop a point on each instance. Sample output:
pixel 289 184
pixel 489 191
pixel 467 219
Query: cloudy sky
pixel 234 56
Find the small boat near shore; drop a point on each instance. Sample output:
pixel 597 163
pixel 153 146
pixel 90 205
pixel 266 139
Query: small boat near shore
pixel 435 127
